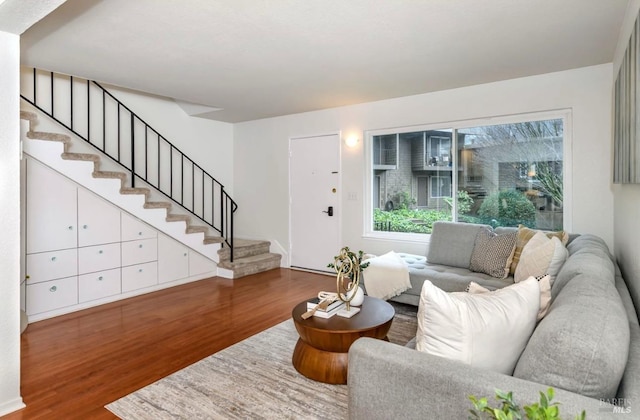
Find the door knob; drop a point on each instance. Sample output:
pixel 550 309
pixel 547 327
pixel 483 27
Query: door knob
pixel 329 211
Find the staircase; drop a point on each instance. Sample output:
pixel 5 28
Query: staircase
pixel 209 234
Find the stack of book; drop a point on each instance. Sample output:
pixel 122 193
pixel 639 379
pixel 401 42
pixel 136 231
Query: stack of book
pixel 330 311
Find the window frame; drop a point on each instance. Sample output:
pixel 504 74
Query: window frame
pixel 567 146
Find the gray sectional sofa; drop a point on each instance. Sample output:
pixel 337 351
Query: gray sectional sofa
pixel 587 347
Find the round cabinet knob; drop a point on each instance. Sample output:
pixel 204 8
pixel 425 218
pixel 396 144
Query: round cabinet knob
pixel 139 233
pixel 84 226
pixel 53 258
pixel 140 270
pixel 184 255
pixel 100 278
pixel 53 288
pixel 140 246
pixel 100 252
pixel 70 228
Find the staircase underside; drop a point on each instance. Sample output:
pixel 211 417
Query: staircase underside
pixel 250 257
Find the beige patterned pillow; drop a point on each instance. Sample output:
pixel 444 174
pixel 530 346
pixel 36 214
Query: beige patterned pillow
pixel 492 253
pixel 524 235
pixel 541 256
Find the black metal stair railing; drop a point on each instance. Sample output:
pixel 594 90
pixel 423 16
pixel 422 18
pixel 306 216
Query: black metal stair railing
pixel 100 119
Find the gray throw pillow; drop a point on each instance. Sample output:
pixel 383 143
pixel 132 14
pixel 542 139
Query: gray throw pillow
pixel 492 253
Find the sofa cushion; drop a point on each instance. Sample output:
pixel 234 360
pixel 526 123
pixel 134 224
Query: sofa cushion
pixel 583 343
pixel 487 331
pixel 447 278
pixel 452 243
pixel 492 253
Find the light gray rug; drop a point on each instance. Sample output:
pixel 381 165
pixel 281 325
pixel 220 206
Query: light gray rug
pixel 251 379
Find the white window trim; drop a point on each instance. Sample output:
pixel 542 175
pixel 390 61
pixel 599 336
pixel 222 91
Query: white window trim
pixel 567 165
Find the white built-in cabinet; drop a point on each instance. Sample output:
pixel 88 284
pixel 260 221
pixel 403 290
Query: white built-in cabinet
pixel 82 251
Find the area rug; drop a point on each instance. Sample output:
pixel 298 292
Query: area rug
pixel 251 379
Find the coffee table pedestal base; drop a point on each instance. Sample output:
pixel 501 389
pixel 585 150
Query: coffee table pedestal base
pixel 319 365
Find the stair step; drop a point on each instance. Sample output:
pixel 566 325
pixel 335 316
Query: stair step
pixel 251 265
pixel 32 117
pixel 109 174
pixel 213 240
pixel 157 205
pixel 197 229
pixel 244 248
pixel 89 157
pixel 178 218
pixel 38 135
pixel 137 190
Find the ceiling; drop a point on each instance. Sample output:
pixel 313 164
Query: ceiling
pixel 262 58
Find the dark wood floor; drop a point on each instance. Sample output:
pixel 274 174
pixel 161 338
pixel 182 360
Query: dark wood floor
pixel 73 365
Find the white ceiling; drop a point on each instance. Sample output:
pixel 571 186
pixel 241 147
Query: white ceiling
pixel 263 58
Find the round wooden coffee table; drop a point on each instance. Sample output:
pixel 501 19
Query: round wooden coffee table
pixel 321 352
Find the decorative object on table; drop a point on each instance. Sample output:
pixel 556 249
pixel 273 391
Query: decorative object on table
pixel 312 303
pixel 325 305
pixel 348 266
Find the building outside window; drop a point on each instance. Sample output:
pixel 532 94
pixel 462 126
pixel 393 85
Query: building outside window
pixel 499 174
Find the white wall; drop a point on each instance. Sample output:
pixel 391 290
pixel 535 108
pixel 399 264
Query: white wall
pixel 261 149
pixel 627 197
pixel 209 143
pixel 10 399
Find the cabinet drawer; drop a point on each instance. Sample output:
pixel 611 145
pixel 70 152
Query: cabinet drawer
pixel 52 265
pixel 50 295
pixel 98 285
pixel 139 276
pixel 136 252
pixel 98 258
pixel 133 229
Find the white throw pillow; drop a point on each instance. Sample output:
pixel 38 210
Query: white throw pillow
pixel 488 331
pixel 541 255
pixel 545 293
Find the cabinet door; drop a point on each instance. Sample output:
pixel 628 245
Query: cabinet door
pixel 98 285
pixel 51 210
pixel 136 252
pixel 200 265
pixel 139 276
pixel 173 260
pixel 52 265
pixel 50 295
pixel 133 229
pixel 98 220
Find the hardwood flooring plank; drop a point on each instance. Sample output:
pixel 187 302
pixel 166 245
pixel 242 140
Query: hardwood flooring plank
pixel 75 364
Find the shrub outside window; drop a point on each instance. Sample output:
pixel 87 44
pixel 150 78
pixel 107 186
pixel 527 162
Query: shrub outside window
pixel 499 174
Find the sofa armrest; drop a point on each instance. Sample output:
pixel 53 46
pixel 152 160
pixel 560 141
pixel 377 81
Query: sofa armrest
pixel 386 381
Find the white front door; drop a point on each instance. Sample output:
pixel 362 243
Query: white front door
pixel 314 209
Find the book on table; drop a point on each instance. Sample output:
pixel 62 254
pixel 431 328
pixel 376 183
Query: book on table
pixel 315 301
pixel 328 314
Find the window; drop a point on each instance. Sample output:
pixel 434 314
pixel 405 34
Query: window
pixel 500 174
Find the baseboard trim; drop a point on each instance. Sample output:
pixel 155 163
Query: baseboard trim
pixel 11 406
